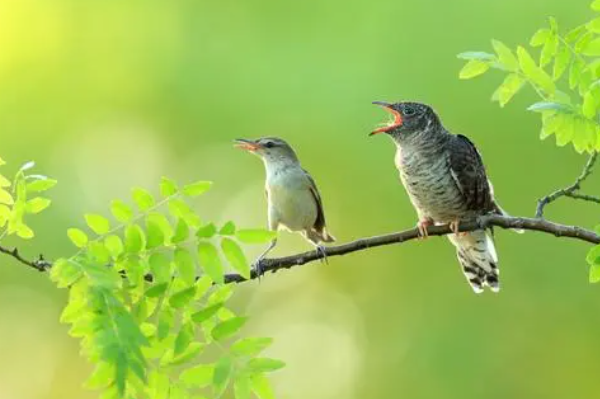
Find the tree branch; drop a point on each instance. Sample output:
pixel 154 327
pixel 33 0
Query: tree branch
pixel 273 265
pixel 570 191
pixel 39 264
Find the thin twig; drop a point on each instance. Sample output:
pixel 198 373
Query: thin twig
pixel 273 265
pixel 39 264
pixel 570 191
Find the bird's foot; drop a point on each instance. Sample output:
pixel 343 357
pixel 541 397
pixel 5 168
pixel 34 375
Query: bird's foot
pixel 454 226
pixel 323 253
pixel 422 227
pixel 259 268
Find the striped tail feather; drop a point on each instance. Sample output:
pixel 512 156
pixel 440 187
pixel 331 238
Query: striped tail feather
pixel 477 256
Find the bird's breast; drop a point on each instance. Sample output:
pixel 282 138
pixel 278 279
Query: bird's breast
pixel 430 185
pixel 291 202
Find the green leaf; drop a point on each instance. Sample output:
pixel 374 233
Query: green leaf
pixel 182 231
pixel 135 270
pixel 182 210
pixel 98 223
pixel 6 198
pixel 511 85
pixel 168 187
pixel 477 55
pixel 540 37
pixel 241 387
pixel 590 104
pixel 235 256
pixel 37 205
pixel 182 298
pixel 156 290
pixel 155 235
pixel 197 188
pixel 185 265
pixel 534 73
pixel 41 185
pixel 228 328
pixel 206 231
pixel 228 229
pixel 549 106
pixel 162 222
pixel 265 365
pixel 261 387
pixel 592 48
pixel 505 56
pixel 594 273
pixel 206 313
pixel 114 244
pixel 574 34
pixel 77 237
pixel 473 68
pixel 24 231
pixel 222 374
pixel 134 239
pixel 160 266
pixel 184 338
pixel 584 137
pixel 549 50
pixel 575 73
pixel 208 258
pixel 561 62
pixel 255 236
pixel 4 182
pixel 165 322
pixel 250 346
pixel 593 255
pixel 199 376
pixel 595 5
pixel 143 199
pixel 121 211
pixel 565 134
pixel 193 349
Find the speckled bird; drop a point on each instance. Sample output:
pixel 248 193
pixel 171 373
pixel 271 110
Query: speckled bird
pixel 446 181
pixel 293 200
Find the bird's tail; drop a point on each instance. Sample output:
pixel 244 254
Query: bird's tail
pixel 477 256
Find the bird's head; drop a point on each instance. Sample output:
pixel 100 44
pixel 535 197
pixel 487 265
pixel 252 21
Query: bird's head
pixel 270 149
pixel 408 117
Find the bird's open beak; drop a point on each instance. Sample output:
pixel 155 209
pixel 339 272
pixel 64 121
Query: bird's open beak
pixel 396 122
pixel 248 145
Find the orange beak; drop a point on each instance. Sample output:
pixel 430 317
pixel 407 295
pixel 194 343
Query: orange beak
pixel 248 145
pixel 397 122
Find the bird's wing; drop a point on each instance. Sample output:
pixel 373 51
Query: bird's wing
pixel 469 174
pixel 320 221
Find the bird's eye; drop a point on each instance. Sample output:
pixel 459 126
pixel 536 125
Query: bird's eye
pixel 408 111
pixel 269 144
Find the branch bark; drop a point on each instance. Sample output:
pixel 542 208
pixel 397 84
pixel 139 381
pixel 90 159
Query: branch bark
pixel 559 230
pixel 273 265
pixel 570 191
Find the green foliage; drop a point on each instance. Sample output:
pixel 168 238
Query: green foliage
pixel 20 197
pixel 148 301
pixel 569 102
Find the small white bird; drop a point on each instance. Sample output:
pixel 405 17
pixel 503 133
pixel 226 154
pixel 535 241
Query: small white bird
pixel 294 202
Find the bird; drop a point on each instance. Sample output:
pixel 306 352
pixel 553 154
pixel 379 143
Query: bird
pixel 293 200
pixel 446 182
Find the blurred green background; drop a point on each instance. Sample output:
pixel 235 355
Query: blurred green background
pixel 107 95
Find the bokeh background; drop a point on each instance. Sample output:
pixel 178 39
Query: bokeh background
pixel 107 95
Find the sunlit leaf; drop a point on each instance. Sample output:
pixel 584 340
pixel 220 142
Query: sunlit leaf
pixel 160 266
pixel 40 185
pixel 235 256
pixel 222 373
pixel 182 298
pixel 549 50
pixel 505 56
pixel 37 205
pixel 540 37
pixel 261 387
pixel 98 223
pixel 77 237
pixel 210 262
pixel 142 198
pixel 228 328
pixel 185 265
pixel 250 346
pixel 534 73
pixel 473 68
pixel 182 231
pixel 197 188
pixel 183 339
pixel 228 229
pixel 199 376
pixel 6 197
pixel 561 62
pixel 168 187
pixel 134 239
pixel 511 85
pixel 121 211
pixel 206 313
pixel 265 365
